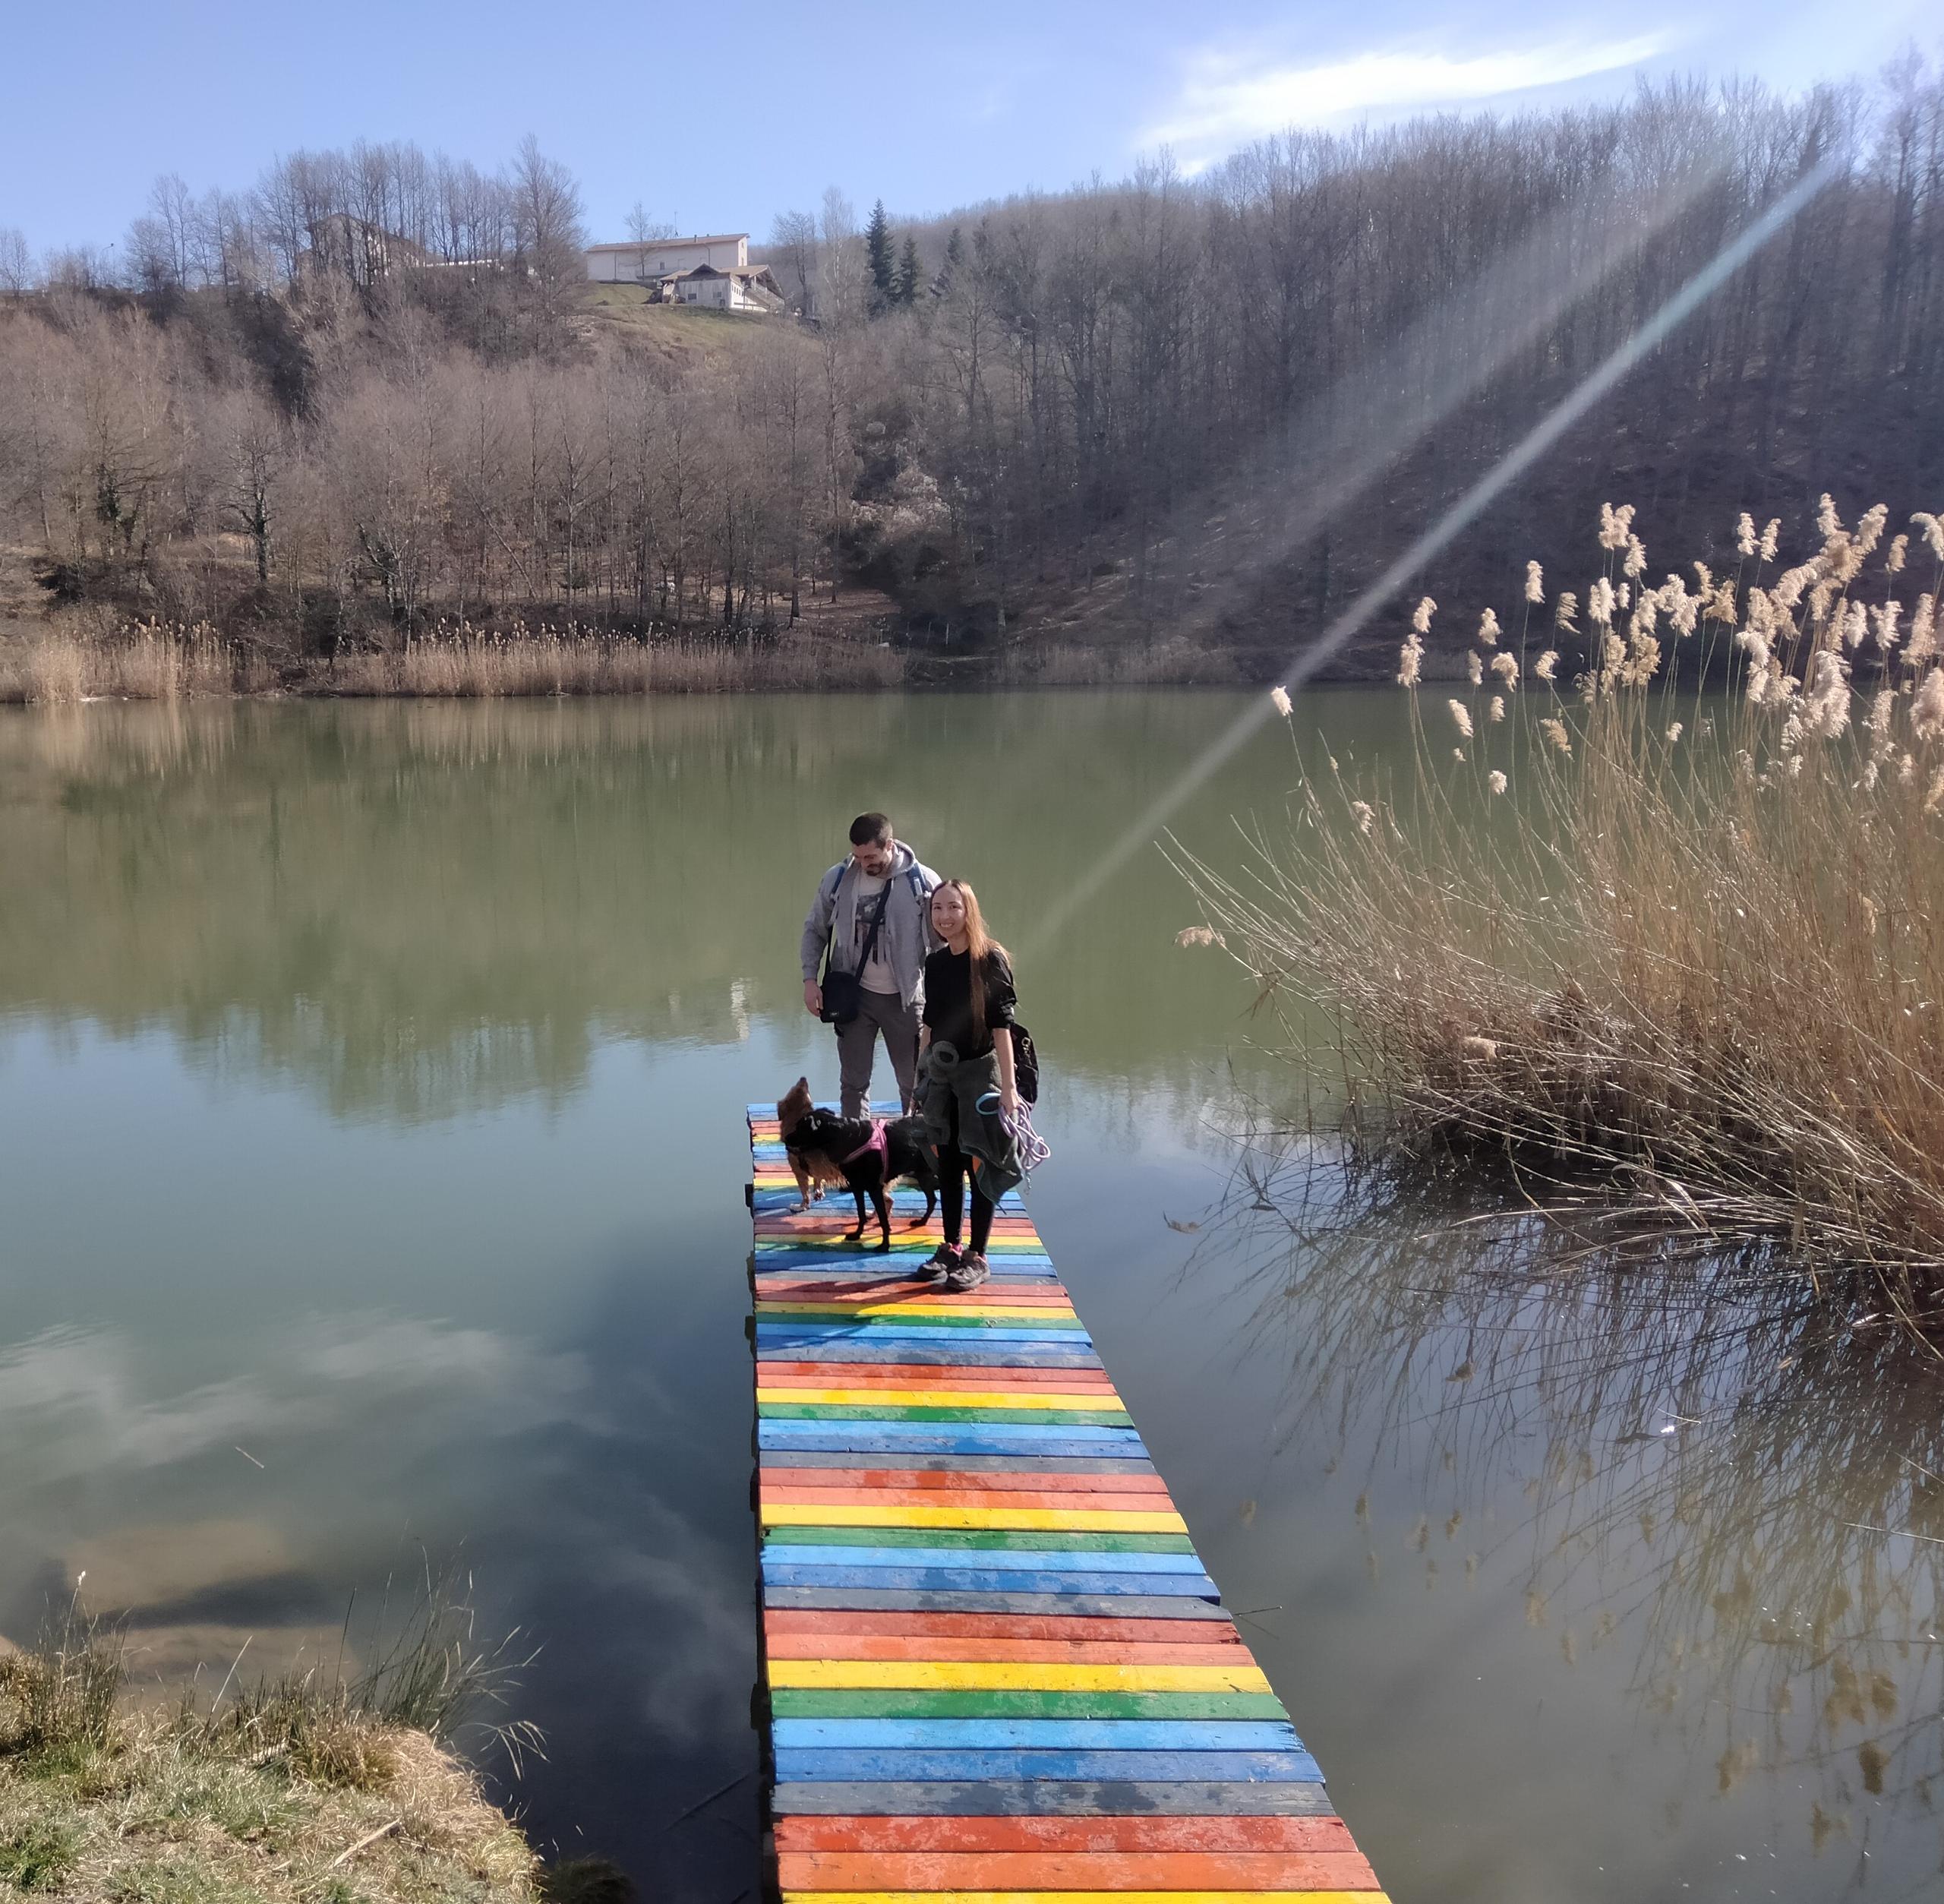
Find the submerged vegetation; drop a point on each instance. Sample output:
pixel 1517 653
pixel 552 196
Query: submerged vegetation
pixel 1694 970
pixel 312 1786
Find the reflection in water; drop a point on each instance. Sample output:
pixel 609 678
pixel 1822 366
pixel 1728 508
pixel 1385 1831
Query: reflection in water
pixel 422 909
pixel 1737 1481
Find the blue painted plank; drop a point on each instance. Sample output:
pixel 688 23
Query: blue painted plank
pixel 1117 1606
pixel 1035 1735
pixel 999 1354
pixel 1044 1797
pixel 975 1580
pixel 998 1560
pixel 1243 1768
pixel 861 1438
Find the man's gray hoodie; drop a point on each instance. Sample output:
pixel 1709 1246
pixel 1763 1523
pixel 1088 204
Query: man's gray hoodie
pixel 906 937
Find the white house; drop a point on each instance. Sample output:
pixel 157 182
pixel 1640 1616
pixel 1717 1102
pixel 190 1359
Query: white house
pixel 744 287
pixel 661 258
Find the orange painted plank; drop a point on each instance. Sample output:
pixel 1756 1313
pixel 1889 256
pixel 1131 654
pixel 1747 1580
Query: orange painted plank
pixel 964 1480
pixel 858 1646
pixel 1107 1871
pixel 1098 1629
pixel 1149 1832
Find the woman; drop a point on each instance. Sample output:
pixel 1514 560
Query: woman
pixel 969 1092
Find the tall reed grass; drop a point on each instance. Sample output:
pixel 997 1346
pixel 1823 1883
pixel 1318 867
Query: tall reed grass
pixel 161 662
pixel 1685 948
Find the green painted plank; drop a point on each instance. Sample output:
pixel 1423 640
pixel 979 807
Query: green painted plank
pixel 808 1702
pixel 1057 1540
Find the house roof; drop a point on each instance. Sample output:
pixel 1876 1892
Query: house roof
pixel 672 243
pixel 718 271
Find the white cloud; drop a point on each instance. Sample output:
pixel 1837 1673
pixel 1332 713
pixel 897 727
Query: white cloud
pixel 1228 98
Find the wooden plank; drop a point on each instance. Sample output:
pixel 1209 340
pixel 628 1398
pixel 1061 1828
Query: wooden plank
pixel 906 1438
pixel 1002 1702
pixel 1009 1604
pixel 1085 1872
pixel 1033 1832
pixel 956 1467
pixel 853 1351
pixel 837 1763
pixel 943 1494
pixel 1037 1560
pixel 981 1579
pixel 1133 1798
pixel 878 1646
pixel 1035 1735
pixel 982 1540
pixel 1240 1678
pixel 1021 1626
pixel 780 1372
pixel 951 1513
pixel 926 1482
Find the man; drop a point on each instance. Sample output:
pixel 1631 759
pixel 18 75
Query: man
pixel 882 875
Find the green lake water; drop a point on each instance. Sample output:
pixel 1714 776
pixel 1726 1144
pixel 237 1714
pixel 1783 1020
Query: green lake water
pixel 371 1081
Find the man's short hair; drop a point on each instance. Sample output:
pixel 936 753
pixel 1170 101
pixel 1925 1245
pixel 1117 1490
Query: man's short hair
pixel 870 829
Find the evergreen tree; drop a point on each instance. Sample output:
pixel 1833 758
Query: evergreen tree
pixel 954 257
pixel 877 246
pixel 908 273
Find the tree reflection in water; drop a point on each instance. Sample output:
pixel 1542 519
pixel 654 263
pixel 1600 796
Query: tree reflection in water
pixel 1737 1473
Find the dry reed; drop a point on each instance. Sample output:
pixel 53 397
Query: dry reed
pixel 1697 958
pixel 160 661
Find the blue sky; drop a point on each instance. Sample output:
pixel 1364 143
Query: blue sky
pixel 719 116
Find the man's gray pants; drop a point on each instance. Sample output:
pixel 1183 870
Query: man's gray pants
pixel 856 1048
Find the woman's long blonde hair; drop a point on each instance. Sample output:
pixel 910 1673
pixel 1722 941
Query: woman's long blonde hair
pixel 979 943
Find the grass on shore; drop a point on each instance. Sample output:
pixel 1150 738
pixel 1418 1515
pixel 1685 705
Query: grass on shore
pixel 307 1790
pixel 1685 954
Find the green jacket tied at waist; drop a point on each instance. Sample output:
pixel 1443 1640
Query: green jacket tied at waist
pixel 944 1079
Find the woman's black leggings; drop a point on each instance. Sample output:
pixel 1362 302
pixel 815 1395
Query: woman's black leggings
pixel 955 1166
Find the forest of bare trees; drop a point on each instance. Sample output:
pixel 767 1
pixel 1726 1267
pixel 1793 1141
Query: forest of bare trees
pixel 377 390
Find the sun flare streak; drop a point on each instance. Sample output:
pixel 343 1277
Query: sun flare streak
pixel 1463 512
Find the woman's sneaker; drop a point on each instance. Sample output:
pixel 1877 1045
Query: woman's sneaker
pixel 942 1262
pixel 972 1270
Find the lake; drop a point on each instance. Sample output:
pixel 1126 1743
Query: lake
pixel 372 1080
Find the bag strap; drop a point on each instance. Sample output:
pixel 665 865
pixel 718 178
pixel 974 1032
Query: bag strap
pixel 877 926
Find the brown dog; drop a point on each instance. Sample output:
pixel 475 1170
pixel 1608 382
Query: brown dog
pixel 812 1171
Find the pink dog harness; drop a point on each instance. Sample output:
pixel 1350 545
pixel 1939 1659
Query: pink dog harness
pixel 875 1141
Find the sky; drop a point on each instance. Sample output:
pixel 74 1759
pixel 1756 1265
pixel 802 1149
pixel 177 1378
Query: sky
pixel 714 116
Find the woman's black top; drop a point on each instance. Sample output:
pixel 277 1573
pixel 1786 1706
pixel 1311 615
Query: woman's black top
pixel 948 1000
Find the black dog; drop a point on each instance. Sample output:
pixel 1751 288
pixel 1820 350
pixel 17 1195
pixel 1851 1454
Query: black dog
pixel 845 1144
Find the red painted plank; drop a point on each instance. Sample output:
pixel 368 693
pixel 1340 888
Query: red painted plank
pixel 1031 1295
pixel 876 1374
pixel 1150 1831
pixel 888 1498
pixel 1106 1870
pixel 964 1480
pixel 1095 1629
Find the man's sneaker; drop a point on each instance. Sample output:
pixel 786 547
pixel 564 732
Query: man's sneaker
pixel 972 1270
pixel 941 1262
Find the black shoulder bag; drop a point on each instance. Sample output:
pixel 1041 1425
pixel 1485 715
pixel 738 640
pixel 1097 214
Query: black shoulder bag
pixel 843 992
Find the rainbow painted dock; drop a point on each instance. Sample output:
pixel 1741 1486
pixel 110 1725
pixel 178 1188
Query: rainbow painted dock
pixel 996 1671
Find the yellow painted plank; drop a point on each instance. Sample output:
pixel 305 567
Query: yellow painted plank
pixel 970 1676
pixel 1101 1402
pixel 1098 1520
